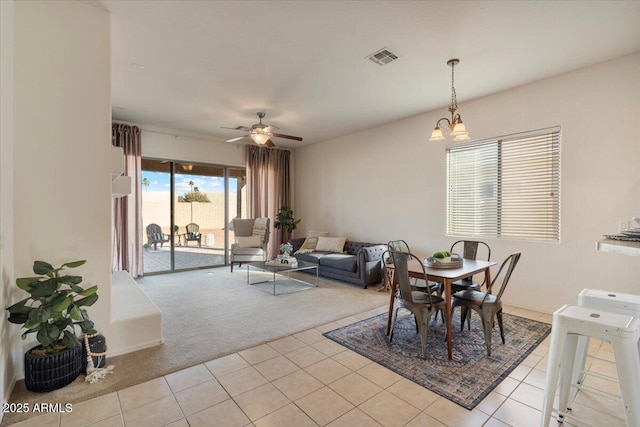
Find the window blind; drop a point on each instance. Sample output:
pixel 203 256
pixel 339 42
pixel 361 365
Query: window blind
pixel 505 187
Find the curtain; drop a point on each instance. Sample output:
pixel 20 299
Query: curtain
pixel 269 188
pixel 127 217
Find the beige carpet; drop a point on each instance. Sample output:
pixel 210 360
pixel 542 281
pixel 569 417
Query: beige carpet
pixel 211 313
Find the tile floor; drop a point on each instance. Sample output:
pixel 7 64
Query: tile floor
pixel 307 380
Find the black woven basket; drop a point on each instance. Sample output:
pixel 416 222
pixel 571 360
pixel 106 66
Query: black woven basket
pixel 52 371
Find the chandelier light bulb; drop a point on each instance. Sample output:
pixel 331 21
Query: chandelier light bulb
pixel 436 135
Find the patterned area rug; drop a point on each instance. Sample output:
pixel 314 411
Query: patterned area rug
pixel 466 379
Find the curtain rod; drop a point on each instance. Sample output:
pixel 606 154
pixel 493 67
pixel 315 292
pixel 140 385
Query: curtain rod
pixel 176 134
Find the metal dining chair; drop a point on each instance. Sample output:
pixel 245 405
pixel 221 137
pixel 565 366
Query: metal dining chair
pixel 470 249
pixel 421 304
pixel 486 304
pixel 402 246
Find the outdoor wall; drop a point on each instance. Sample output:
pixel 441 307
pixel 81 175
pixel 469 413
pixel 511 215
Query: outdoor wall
pixel 209 216
pixel 62 131
pixel 9 335
pixel 388 182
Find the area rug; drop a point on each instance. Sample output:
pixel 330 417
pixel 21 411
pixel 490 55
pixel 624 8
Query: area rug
pixel 466 379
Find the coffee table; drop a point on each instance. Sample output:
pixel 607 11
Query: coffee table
pixel 282 269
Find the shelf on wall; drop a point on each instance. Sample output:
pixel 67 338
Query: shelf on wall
pixel 619 247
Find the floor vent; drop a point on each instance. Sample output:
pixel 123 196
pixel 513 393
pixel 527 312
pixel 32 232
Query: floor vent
pixel 382 57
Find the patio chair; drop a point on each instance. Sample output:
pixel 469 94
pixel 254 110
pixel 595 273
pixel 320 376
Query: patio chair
pixel 251 240
pixel 486 304
pixel 155 236
pixel 193 234
pixel 421 304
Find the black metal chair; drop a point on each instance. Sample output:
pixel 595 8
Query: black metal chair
pixel 421 304
pixel 486 304
pixel 470 249
pixel 402 246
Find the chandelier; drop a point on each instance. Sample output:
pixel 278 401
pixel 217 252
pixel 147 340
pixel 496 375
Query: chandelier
pixel 455 126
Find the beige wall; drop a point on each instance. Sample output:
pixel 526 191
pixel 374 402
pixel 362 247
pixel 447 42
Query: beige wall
pixel 388 182
pixel 62 120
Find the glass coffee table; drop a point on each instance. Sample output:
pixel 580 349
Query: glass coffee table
pixel 282 269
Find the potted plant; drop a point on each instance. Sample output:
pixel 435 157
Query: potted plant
pixel 285 220
pixel 53 310
pixel 286 249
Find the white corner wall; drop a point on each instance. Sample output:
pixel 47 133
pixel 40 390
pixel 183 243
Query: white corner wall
pixel 62 129
pixel 9 334
pixel 388 182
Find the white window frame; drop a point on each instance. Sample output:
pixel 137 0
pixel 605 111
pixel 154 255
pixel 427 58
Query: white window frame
pixel 506 187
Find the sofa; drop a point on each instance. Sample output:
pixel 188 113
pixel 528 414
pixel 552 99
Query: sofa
pixel 359 263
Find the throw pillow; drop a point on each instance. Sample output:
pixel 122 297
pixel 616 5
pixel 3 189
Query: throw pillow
pixel 310 242
pixel 330 244
pixel 249 241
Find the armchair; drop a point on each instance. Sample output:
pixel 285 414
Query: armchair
pixel 251 239
pixel 155 236
pixel 193 234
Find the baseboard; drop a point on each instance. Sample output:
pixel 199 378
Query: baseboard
pixel 131 349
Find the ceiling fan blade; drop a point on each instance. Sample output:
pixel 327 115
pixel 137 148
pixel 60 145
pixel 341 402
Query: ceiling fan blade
pixel 269 143
pixel 236 139
pixel 279 135
pixel 243 128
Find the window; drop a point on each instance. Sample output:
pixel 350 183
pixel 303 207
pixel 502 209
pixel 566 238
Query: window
pixel 507 187
pixel 189 206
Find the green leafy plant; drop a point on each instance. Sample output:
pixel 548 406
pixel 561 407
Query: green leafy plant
pixel 441 254
pixel 286 248
pixel 53 308
pixel 194 196
pixel 285 220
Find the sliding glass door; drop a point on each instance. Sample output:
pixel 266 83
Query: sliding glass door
pixel 192 204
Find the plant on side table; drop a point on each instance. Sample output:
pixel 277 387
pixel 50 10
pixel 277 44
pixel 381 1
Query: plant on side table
pixel 52 311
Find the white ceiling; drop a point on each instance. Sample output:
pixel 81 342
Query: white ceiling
pixel 209 64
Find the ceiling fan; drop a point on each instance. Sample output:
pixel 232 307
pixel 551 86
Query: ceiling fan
pixel 261 133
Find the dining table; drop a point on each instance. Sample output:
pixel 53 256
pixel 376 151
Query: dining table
pixel 445 276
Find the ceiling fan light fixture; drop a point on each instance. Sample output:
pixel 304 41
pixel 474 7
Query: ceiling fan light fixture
pixel 261 133
pixel 259 137
pixel 187 167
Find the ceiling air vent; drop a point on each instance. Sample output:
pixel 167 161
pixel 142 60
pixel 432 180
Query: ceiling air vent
pixel 382 57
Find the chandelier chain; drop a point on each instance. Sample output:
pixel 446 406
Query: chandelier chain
pixel 454 100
